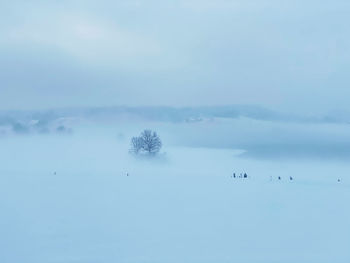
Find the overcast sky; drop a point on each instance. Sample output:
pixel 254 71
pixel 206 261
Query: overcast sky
pixel 291 55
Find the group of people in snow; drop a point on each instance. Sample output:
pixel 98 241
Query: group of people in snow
pixel 280 178
pixel 240 175
pixel 245 175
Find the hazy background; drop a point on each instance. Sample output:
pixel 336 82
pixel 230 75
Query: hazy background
pixel 286 55
pixel 258 132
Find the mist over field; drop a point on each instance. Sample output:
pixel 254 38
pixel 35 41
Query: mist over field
pixel 257 131
pixel 174 131
pixel 76 194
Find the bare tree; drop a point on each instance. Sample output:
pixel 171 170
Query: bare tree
pixel 151 142
pixel 136 145
pixel 148 142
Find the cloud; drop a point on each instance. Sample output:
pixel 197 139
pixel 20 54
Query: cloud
pixel 84 38
pixel 278 54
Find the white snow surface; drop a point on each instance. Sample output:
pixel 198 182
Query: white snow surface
pixel 182 207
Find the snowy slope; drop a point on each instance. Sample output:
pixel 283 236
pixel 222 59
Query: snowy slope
pixel 184 207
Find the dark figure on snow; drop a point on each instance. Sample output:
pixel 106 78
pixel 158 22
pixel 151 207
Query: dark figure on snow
pixel 245 175
pixel 338 180
pixel 290 178
pixel 279 177
pixel 234 175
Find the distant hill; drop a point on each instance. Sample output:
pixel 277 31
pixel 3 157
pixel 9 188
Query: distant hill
pixel 60 119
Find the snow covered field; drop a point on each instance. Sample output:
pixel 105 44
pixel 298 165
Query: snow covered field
pixel 182 207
